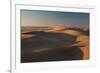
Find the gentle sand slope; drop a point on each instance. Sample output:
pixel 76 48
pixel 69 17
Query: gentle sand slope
pixel 53 44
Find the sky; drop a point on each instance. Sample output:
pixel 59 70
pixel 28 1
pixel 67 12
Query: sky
pixel 33 18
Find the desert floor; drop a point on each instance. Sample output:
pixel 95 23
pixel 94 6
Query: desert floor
pixel 53 44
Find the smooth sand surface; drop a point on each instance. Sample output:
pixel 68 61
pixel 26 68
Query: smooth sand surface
pixel 54 44
pixel 82 39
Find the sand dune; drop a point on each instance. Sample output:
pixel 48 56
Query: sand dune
pixel 82 39
pixel 55 29
pixel 46 40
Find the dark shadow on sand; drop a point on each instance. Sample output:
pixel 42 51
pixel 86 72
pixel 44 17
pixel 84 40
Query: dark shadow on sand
pixel 57 47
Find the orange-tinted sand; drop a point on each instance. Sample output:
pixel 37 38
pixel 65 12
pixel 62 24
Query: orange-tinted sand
pixel 82 40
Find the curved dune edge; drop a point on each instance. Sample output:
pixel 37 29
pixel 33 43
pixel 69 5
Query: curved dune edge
pixel 82 40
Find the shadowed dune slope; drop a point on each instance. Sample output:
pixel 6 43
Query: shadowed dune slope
pixel 53 44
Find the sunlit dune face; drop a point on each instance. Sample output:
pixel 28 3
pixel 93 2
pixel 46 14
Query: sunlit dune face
pixel 26 36
pixel 72 32
pixel 55 29
pixel 83 42
pixel 26 30
pixel 83 39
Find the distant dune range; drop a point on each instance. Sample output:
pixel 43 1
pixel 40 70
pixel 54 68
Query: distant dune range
pixel 54 44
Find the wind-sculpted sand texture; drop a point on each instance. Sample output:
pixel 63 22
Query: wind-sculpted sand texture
pixel 53 44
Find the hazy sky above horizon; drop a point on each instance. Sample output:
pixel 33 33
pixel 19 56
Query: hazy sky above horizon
pixel 54 18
